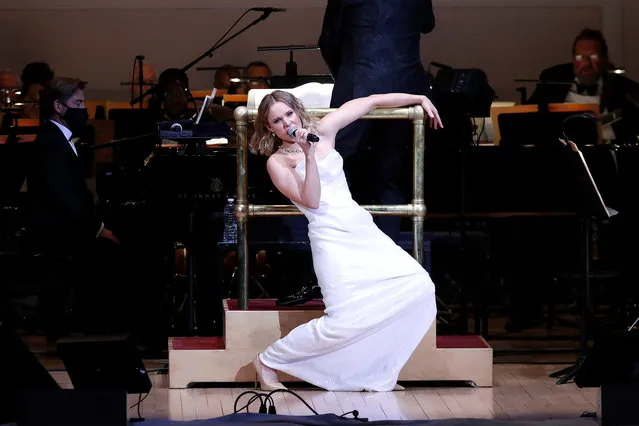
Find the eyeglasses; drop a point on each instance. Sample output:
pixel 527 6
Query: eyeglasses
pixel 592 57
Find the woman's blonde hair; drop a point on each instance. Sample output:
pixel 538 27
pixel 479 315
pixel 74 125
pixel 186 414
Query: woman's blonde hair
pixel 264 142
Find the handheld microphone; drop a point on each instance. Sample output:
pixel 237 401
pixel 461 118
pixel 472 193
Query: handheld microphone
pixel 268 9
pixel 310 137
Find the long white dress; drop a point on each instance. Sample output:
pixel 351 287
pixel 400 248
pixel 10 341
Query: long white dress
pixel 380 301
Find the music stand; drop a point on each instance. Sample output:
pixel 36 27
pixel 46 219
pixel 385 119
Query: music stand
pixel 460 96
pixel 590 205
pixel 530 125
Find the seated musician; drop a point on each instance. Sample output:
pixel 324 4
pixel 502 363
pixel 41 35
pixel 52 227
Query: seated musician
pixel 63 207
pixel 222 79
pixel 103 270
pixel 35 77
pixel 258 75
pixel 172 96
pixel 593 81
pixel 222 82
pixel 63 219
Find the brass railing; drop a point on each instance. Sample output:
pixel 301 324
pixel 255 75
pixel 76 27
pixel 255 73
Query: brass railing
pixel 243 209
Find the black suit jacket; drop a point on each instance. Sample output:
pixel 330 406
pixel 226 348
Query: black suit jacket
pixel 373 46
pixel 62 210
pixel 618 92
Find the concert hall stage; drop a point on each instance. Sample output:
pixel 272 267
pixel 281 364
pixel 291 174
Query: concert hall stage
pixel 332 419
pixel 522 394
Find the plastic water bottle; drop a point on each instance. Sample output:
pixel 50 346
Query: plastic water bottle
pixel 230 221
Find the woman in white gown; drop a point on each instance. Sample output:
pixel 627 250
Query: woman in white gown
pixel 380 302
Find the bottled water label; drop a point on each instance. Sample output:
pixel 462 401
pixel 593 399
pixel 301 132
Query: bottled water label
pixel 230 221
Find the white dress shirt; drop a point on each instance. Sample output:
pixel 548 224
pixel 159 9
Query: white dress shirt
pixel 67 134
pixel 578 98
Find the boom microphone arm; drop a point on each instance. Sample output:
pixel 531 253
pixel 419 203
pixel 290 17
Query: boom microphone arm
pixel 265 14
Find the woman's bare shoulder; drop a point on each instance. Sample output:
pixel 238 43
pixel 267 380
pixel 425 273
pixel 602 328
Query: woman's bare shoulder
pixel 279 161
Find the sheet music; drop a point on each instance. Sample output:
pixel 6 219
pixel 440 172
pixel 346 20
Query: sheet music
pixel 205 105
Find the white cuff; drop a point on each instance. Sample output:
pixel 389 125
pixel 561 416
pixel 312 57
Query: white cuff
pixel 100 230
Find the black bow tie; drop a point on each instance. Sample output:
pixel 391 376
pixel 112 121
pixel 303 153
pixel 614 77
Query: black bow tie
pixel 590 89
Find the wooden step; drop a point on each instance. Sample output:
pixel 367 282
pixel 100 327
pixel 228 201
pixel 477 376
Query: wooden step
pixel 216 343
pixel 248 332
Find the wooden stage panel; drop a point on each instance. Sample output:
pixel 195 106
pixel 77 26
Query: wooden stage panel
pixel 248 332
pixel 520 393
pixel 214 342
pixel 196 343
pixel 269 305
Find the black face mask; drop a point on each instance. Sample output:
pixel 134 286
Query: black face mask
pixel 76 119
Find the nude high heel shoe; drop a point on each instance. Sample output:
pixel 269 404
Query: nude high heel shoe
pixel 266 376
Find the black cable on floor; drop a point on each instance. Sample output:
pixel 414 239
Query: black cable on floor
pixel 267 404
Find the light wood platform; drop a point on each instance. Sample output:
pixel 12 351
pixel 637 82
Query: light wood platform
pixel 229 359
pixel 520 392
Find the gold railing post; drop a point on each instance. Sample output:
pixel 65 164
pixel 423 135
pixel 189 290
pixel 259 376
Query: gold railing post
pixel 419 205
pixel 243 209
pixel 241 204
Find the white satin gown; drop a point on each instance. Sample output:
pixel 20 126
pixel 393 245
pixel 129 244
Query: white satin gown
pixel 380 301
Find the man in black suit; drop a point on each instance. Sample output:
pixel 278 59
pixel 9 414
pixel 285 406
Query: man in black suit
pixel 371 47
pixel 590 78
pixel 62 207
pixel 63 219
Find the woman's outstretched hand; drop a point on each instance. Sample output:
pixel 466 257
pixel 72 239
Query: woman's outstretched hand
pixel 431 111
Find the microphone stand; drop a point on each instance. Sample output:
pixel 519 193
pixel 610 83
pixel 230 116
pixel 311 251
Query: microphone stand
pixel 208 53
pixel 140 76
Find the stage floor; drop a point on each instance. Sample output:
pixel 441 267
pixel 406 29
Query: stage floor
pixel 520 392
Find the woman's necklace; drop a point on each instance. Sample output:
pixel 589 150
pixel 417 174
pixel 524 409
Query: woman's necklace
pixel 290 150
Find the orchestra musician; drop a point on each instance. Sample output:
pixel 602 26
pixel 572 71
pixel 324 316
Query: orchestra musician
pixel 591 78
pixel 35 77
pixel 173 96
pixel 63 217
